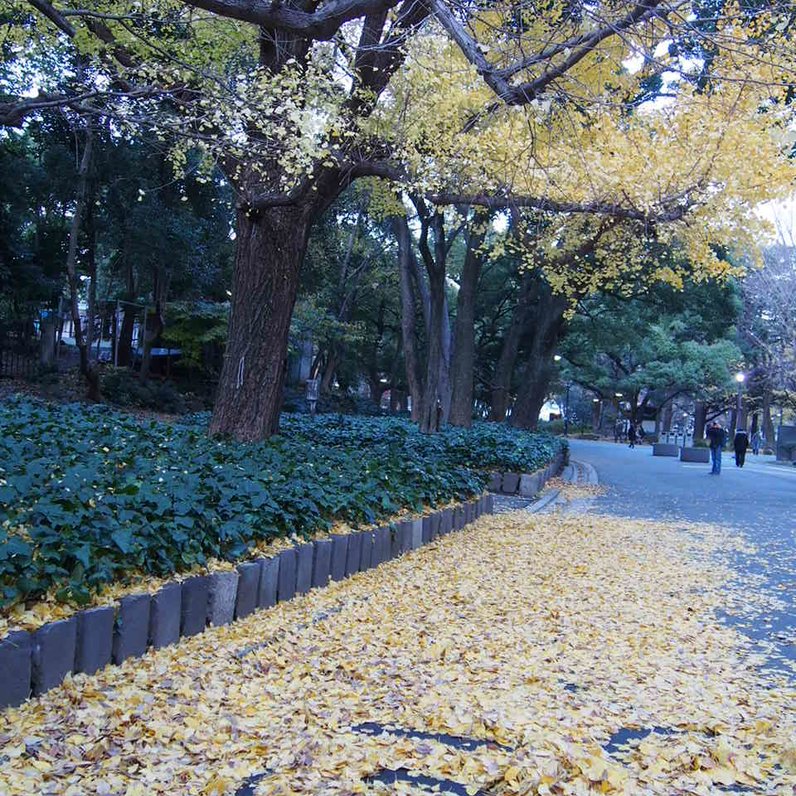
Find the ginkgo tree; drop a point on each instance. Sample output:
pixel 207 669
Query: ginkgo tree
pixel 280 96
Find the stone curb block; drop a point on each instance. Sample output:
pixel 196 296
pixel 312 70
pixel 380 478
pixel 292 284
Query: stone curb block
pixel 664 449
pixel 322 562
pixel 495 482
pixel 510 484
pixel 164 616
pixel 53 654
pixel 367 551
pixel 193 610
pixel 221 598
pixel 436 520
pixel 395 542
pixel 447 521
pixel 131 634
pixel 248 585
pixel 416 534
pixel 530 484
pixel 339 554
pixel 304 558
pixel 269 582
pixel 94 642
pixel 427 523
pixel 381 547
pixel 15 664
pixel 287 576
pixel 353 558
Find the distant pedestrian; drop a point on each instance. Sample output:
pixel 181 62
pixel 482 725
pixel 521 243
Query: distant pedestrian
pixel 756 442
pixel 740 443
pixel 631 434
pixel 718 438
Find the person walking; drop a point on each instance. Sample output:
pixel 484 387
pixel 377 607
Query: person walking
pixel 717 437
pixel 631 435
pixel 756 442
pixel 740 443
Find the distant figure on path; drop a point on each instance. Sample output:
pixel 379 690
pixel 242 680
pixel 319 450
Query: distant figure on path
pixel 631 434
pixel 740 443
pixel 717 438
pixel 758 441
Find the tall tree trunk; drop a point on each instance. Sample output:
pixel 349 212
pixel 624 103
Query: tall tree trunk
pixel 463 360
pixel 504 369
pixel 700 418
pixel 548 323
pixel 71 258
pixel 408 333
pixel 768 423
pixel 431 406
pixel 445 384
pixel 270 250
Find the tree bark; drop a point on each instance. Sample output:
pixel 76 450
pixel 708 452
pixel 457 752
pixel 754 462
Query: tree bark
pixel 768 423
pixel 270 249
pixel 504 369
pixel 548 323
pixel 463 360
pixel 71 257
pixel 700 418
pixel 408 332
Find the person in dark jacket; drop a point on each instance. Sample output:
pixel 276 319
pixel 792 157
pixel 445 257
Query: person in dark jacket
pixel 740 443
pixel 631 434
pixel 717 438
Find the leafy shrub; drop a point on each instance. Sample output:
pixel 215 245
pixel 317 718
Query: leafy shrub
pixel 123 387
pixel 89 495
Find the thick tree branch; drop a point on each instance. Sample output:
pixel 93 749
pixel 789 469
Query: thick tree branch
pixel 321 24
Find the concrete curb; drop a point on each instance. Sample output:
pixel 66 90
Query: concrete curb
pixel 526 484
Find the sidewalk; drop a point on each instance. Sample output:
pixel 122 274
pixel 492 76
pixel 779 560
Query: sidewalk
pixel 514 657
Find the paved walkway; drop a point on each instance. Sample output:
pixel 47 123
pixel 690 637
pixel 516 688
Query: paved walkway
pixel 545 653
pixel 757 501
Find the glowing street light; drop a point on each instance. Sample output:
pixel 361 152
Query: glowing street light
pixel 740 378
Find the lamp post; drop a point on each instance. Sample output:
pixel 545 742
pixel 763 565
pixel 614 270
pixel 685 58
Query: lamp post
pixel 740 378
pixel 566 411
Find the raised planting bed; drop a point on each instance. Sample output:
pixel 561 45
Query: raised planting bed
pixel 665 449
pixel 695 455
pixel 32 663
pixel 90 496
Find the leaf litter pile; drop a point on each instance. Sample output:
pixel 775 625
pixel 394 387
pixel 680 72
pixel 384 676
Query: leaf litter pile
pixel 525 655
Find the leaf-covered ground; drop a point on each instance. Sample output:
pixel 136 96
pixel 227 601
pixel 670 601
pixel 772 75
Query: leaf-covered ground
pixel 545 635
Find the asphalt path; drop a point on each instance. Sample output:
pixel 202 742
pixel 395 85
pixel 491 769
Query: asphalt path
pixel 757 500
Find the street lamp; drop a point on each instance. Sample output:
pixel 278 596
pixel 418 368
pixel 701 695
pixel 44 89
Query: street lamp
pixel 556 357
pixel 740 378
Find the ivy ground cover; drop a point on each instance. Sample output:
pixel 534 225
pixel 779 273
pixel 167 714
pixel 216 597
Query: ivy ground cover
pixel 89 495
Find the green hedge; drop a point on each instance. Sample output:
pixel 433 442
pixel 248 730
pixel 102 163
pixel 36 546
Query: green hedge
pixel 89 494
